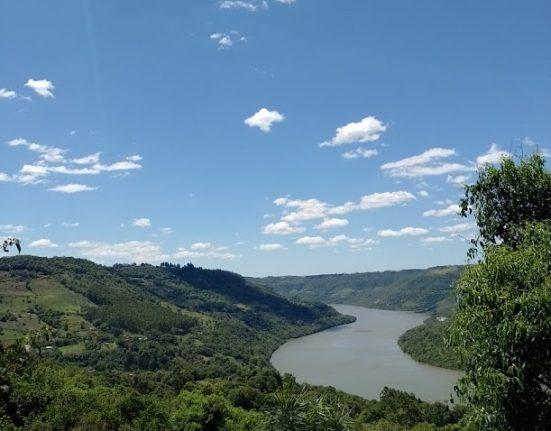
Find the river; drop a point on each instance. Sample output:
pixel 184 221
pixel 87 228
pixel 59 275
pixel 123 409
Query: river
pixel 363 357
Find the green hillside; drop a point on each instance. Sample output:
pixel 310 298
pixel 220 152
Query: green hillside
pixel 89 347
pixel 411 290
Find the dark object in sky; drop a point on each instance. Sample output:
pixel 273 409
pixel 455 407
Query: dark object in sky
pixel 9 242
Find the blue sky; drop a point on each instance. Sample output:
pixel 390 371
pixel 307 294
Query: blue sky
pixel 276 137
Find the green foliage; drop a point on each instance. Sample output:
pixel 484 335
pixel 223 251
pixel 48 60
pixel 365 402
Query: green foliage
pixel 502 331
pixel 427 343
pixel 410 290
pixel 508 196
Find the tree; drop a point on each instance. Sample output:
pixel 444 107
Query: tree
pixel 507 196
pixel 502 330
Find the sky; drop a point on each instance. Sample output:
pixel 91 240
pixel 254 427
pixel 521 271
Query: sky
pixel 263 137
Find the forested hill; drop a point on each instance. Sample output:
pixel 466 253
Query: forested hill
pixel 413 289
pixel 109 316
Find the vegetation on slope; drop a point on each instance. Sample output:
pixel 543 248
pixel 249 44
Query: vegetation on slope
pixel 410 290
pixel 427 343
pixel 88 347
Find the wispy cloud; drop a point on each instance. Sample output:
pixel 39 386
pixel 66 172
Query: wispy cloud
pixel 406 231
pixel 227 40
pixel 205 250
pixel 72 188
pixel 450 210
pixel 428 163
pixel 435 240
pixel 368 129
pixel 123 252
pixel 251 6
pixel 12 228
pixel 271 247
pixel 360 152
pixel 141 222
pixel 355 244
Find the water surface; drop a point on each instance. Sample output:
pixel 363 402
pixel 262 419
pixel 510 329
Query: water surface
pixel 363 357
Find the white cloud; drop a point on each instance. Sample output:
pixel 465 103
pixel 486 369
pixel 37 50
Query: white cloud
pixel 355 244
pixel 423 193
pixel 7 94
pixel 285 1
pixel 72 188
pixel 452 209
pixel 332 223
pixel 42 87
pixel 368 129
pixel 205 250
pixel 264 119
pixel 5 177
pixel 12 228
pixel 406 231
pixel 458 181
pixel 360 153
pixel 251 6
pixel 68 224
pixel 308 209
pixel 271 247
pixel 165 230
pixel 281 228
pixel 87 160
pixel 141 222
pixel 43 243
pixel 124 165
pixel 435 240
pixel 48 154
pixel 227 40
pixel 123 252
pixel 386 199
pixel 427 163
pixel 456 228
pixel 492 156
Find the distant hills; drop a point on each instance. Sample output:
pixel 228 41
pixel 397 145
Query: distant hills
pixel 412 290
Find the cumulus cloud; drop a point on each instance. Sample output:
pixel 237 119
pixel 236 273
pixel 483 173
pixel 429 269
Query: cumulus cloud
pixel 332 223
pixel 43 243
pixel 281 228
pixel 406 231
pixel 122 252
pixel 368 129
pixel 205 250
pixel 7 94
pixel 423 193
pixel 141 222
pixel 427 163
pixel 492 156
pixel 251 6
pixel 42 87
pixel 360 153
pixel 450 210
pixel 47 154
pixel 264 119
pixel 298 211
pixel 72 188
pixel 271 247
